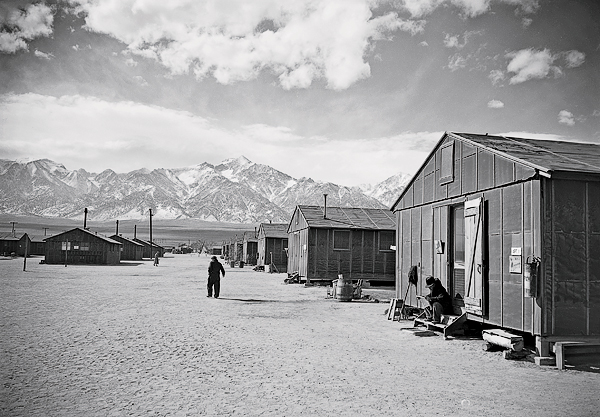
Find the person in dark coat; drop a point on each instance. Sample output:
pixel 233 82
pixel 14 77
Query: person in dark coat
pixel 439 300
pixel 215 268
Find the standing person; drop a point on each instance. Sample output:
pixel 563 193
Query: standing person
pixel 215 268
pixel 439 300
pixel 156 259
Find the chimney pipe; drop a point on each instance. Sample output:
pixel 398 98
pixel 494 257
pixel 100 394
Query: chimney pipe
pixel 325 206
pixel 85 211
pixel 135 231
pixel 117 231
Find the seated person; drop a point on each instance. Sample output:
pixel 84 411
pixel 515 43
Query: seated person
pixel 439 300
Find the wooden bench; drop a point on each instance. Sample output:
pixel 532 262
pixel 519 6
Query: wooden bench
pixel 448 324
pixel 579 352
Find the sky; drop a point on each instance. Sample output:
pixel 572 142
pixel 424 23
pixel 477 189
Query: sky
pixel 343 91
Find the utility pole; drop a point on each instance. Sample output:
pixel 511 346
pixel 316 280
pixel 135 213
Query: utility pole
pixel 151 251
pixel 25 257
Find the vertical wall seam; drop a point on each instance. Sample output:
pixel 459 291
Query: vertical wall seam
pixel 552 257
pixel 522 254
pixel 587 257
pixel 502 260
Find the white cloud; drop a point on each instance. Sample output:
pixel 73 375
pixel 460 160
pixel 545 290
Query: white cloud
pixel 565 117
pixel 43 55
pixel 131 62
pixel 574 58
pixel 495 104
pixel 140 80
pixel 469 8
pixel 235 40
pixel 526 22
pixel 124 136
pixel 451 41
pixel 423 43
pixel 529 64
pixel 496 76
pixel 472 8
pixel 20 26
pixel 456 62
pixel 419 8
pixel 532 135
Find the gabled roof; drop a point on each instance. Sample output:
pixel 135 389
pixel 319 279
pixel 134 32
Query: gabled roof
pixel 131 241
pixel 251 236
pixel 106 239
pixel 545 156
pixel 146 243
pixel 8 236
pixel 275 230
pixel 348 218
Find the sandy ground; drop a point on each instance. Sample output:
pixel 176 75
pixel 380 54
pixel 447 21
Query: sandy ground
pixel 142 340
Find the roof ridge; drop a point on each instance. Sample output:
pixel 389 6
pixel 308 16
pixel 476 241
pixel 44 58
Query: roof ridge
pixel 549 151
pixel 369 217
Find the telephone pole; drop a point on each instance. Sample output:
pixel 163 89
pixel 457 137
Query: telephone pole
pixel 151 250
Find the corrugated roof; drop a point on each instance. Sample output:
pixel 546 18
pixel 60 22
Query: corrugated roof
pixel 8 236
pixel 275 230
pixel 117 237
pixel 109 240
pixel 349 218
pixel 547 155
pixel 146 242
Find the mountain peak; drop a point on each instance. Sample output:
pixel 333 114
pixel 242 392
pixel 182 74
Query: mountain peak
pixel 238 190
pixel 240 161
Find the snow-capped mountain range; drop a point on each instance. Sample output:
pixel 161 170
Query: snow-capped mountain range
pixel 237 190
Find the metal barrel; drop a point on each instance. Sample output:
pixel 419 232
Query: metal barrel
pixel 344 290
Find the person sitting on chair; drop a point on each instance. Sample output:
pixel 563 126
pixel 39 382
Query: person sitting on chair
pixel 439 300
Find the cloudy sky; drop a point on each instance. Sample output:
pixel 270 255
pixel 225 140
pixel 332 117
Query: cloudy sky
pixel 347 91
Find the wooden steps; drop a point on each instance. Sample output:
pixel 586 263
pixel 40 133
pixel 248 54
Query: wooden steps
pixel 576 353
pixel 449 323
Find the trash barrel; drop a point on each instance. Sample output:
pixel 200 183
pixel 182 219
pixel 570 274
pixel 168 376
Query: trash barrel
pixel 344 290
pixel 241 264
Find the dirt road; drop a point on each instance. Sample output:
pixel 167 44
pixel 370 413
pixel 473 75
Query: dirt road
pixel 142 340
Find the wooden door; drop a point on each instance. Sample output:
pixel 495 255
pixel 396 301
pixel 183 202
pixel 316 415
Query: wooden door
pixel 474 256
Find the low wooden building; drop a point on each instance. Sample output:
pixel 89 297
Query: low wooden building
pixel 32 245
pixel 9 244
pixel 272 246
pixel 236 249
pixel 149 250
pixel 355 242
pixel 80 246
pixel 250 248
pixel 225 250
pixel 130 249
pixel 484 210
pixel 37 245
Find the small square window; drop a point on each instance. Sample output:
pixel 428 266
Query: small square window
pixel 341 240
pixel 447 163
pixel 386 240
